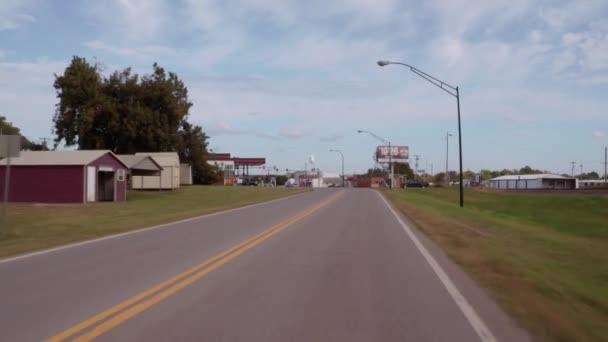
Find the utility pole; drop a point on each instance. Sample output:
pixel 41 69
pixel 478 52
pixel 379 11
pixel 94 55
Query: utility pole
pixel 581 169
pixel 573 165
pixel 416 165
pixel 606 165
pixel 447 152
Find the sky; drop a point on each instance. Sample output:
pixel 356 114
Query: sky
pixel 286 79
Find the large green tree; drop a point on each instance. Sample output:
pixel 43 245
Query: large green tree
pixel 128 113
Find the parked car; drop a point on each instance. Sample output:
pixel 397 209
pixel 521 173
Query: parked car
pixel 251 182
pixel 415 184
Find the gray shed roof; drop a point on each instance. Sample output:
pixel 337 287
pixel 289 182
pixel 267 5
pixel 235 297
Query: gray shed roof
pixel 140 162
pixel 529 177
pixel 34 158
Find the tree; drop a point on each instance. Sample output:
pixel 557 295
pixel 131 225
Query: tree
pixel 485 174
pixel 590 175
pixel 376 172
pixel 192 149
pixel 439 178
pixel 127 113
pixel 526 170
pixel 468 174
pixel 404 169
pixel 7 128
pixel 281 180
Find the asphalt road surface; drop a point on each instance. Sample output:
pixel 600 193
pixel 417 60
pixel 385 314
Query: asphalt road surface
pixel 328 265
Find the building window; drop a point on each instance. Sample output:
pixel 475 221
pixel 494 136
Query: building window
pixel 120 174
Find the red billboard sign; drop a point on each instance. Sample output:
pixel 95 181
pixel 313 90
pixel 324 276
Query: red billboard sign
pixel 400 154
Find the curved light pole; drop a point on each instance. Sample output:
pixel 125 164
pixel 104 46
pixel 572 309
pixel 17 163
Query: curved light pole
pixel 342 154
pixel 448 89
pixel 390 153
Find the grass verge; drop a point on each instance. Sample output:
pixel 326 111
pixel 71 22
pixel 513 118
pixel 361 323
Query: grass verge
pixel 35 226
pixel 542 256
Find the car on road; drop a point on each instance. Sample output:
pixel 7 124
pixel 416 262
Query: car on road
pixel 251 182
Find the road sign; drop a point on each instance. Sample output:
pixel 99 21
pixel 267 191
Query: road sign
pixel 10 145
pixel 398 154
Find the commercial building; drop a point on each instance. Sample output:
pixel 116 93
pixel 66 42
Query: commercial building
pixel 65 177
pixel 592 183
pixel 537 181
pixel 170 175
pixel 233 167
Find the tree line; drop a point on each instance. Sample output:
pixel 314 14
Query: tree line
pixel 128 113
pixel 8 128
pixel 484 174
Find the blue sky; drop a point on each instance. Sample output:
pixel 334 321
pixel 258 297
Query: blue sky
pixel 287 79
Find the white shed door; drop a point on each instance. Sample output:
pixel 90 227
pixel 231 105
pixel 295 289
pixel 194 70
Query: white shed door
pixel 91 183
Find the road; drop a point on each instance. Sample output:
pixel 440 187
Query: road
pixel 327 265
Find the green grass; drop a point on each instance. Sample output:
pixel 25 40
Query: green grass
pixel 543 256
pixel 34 226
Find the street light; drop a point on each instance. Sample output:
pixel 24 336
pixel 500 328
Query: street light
pixel 448 89
pixel 447 152
pixel 390 153
pixel 342 154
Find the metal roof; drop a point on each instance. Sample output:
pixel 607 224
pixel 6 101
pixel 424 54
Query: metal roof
pixel 530 177
pixel 34 158
pixel 140 162
pixel 170 159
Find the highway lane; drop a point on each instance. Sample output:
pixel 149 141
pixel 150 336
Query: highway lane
pixel 330 265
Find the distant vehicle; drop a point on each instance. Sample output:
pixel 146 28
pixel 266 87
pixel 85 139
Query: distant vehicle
pixel 251 182
pixel 415 184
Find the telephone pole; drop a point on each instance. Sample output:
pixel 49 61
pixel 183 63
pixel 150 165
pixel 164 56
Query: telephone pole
pixel 447 153
pixel 606 165
pixel 581 169
pixel 573 165
pixel 416 165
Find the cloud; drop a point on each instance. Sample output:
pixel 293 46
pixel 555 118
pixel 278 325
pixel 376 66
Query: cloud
pixel 223 128
pixel 15 14
pixel 291 133
pixel 599 134
pixel 332 138
pixel 140 20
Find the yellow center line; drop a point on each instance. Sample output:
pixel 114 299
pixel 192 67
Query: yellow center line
pixel 172 286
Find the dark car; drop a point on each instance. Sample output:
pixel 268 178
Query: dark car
pixel 415 184
pixel 251 182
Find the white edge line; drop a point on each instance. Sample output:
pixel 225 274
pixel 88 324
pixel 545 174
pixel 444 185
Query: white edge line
pixel 137 231
pixel 467 310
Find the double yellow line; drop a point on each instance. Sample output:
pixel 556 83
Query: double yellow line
pixel 118 314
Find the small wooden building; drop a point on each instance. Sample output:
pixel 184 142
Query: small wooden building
pixel 65 177
pixel 140 166
pixel 170 174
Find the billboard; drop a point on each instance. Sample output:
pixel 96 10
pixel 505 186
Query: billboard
pixel 398 154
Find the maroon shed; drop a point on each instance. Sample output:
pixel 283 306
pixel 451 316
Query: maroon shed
pixel 65 177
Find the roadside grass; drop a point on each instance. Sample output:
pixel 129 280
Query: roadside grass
pixel 542 256
pixel 32 227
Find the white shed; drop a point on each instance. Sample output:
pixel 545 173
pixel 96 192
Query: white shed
pixel 185 174
pixel 537 181
pixel 170 175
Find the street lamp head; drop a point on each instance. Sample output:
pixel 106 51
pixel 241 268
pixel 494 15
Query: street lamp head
pixel 359 131
pixel 383 63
